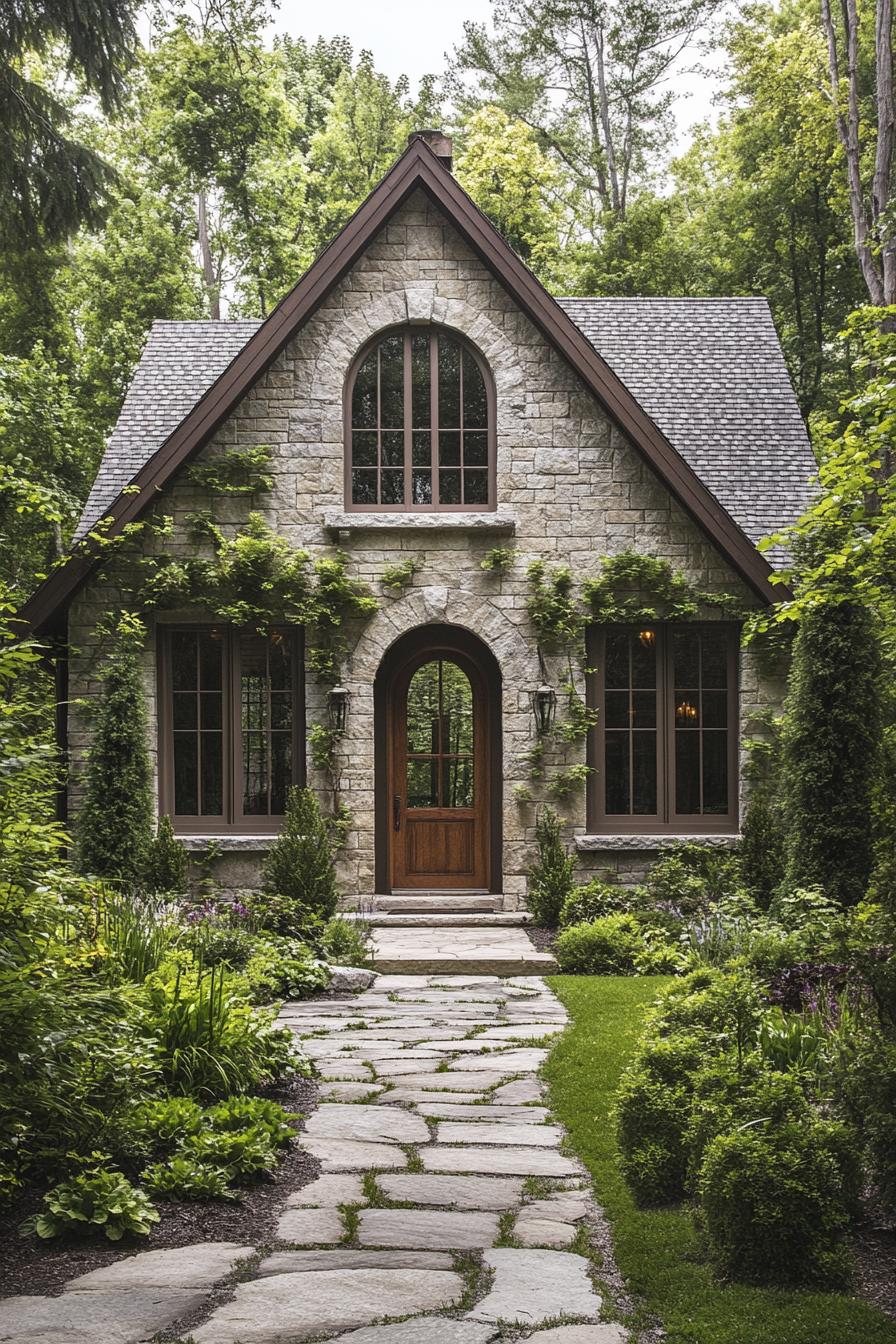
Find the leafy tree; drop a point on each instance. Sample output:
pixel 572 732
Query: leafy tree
pixel 514 182
pixel 591 77
pixel 49 181
pixel 114 827
pixel 830 738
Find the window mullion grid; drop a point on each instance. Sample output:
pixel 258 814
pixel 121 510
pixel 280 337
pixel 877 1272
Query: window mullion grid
pixel 408 417
pixel 700 719
pixel 198 713
pixel 231 674
pixel 631 730
pixel 268 731
pixel 379 428
pixel 462 354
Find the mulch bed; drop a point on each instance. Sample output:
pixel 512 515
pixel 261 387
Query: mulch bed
pixel 30 1266
pixel 875 1252
pixel 542 939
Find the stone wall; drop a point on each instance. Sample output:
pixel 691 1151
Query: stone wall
pixel 570 489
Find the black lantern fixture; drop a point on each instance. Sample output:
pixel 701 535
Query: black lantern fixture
pixel 337 707
pixel 544 707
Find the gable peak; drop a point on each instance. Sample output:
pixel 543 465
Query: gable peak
pixel 438 142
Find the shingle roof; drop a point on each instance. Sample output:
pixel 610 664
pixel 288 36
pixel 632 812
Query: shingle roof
pixel 709 372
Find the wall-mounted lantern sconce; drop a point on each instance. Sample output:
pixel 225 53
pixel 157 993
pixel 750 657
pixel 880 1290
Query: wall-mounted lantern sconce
pixel 544 707
pixel 337 707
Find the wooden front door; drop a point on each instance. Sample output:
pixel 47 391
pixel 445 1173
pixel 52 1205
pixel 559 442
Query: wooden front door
pixel 438 773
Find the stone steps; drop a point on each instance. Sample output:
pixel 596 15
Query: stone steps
pixel 462 919
pixel 474 949
pixel 430 903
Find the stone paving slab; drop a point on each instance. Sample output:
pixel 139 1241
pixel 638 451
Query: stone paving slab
pixel 416 1095
pixel 349 1091
pixel 608 1333
pixel 544 1232
pixel 328 1192
pixel 504 1115
pixel 423 1330
pixel 336 1121
pixel 436 950
pixel 534 1286
pixel 286 1308
pixel 311 1227
pixel 532 1136
pixel 199 1266
pixel 527 1060
pixel 355 1155
pixel 458 1231
pixel 498 1161
pixel 313 1262
pixel 462 1192
pixel 451 1080
pixel 113 1316
pixel 519 1092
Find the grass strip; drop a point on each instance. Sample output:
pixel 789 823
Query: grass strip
pixel 658 1250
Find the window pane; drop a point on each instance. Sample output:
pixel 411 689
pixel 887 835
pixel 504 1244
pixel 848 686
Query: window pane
pixel 421 449
pixel 643 647
pixel 280 659
pixel 687 773
pixel 392 382
pixel 616 709
pixel 254 684
pixel 457 781
pixel 423 709
pixel 392 448
pixel 364 448
pixel 183 709
pixel 644 709
pixel 616 773
pixel 281 771
pixel 211 710
pixel 281 711
pixel 212 775
pixel 392 486
pixel 714 648
pixel 476 449
pixel 423 783
pixel 449 383
pixel 475 411
pixel 687 712
pixel 255 774
pixel 715 709
pixel 644 774
pixel 449 487
pixel 421 487
pixel 715 773
pixel 186 774
pixel 211 654
pixel 475 487
pixel 616 658
pixel 183 660
pixel 420 380
pixel 364 394
pixel 449 449
pixel 686 656
pixel 363 487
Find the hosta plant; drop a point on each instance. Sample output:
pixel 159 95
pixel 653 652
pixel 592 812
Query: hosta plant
pixel 98 1200
pixel 184 1178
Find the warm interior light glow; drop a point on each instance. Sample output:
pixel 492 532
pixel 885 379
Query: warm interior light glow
pixel 647 637
pixel 686 710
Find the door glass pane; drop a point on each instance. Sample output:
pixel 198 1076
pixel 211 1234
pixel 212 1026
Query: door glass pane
pixel 457 710
pixel 449 383
pixel 423 783
pixel 364 394
pixel 392 382
pixel 457 781
pixel 423 710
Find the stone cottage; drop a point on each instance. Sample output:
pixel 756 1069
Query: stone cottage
pixel 433 414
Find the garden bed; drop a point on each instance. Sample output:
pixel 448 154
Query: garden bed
pixel 659 1250
pixel 33 1266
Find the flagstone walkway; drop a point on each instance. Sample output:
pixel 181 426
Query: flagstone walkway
pixel 446 1210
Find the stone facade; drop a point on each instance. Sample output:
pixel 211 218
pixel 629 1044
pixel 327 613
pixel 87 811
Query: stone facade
pixel 570 489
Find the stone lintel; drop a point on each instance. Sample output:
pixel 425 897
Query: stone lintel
pixel 591 844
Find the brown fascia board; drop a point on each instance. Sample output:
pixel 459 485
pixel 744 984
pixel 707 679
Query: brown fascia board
pixel 417 168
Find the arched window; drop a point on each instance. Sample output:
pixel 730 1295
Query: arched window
pixel 420 425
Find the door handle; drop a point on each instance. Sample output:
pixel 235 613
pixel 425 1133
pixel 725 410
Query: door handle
pixel 396 812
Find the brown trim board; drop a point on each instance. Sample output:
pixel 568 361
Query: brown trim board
pixel 417 168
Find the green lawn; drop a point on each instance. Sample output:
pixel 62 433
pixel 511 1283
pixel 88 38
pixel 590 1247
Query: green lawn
pixel 658 1250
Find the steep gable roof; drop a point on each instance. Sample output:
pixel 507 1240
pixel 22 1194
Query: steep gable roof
pixel 417 169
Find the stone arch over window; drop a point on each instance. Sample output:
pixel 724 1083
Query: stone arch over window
pixel 419 424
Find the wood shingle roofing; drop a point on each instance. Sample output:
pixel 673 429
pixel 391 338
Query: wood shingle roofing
pixel 180 362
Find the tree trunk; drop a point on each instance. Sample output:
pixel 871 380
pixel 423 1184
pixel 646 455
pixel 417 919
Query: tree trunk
pixel 209 274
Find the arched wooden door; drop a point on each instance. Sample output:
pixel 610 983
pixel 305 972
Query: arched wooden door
pixel 438 772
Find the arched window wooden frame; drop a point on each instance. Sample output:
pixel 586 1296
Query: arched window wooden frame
pixel 455 452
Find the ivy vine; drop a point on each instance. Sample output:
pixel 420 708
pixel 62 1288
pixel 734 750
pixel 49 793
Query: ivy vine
pixel 235 471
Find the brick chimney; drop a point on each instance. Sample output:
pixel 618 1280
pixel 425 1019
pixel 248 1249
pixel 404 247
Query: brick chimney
pixel 439 143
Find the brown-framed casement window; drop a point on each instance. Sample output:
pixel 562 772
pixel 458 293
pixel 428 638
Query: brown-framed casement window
pixel 664 748
pixel 231 726
pixel 419 424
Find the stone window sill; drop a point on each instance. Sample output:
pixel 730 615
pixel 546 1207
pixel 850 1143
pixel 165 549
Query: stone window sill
pixel 228 844
pixel 495 524
pixel 597 844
